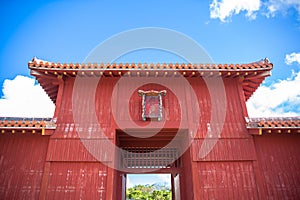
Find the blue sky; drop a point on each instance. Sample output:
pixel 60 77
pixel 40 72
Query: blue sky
pixel 230 31
pixel 144 179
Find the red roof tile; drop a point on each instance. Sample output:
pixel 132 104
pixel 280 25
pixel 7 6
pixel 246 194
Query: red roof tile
pixel 277 124
pixel 41 64
pixel 14 124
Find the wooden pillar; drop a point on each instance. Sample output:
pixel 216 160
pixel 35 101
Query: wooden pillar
pixel 198 192
pixel 110 183
pixel 124 186
pixel 192 168
pixel 173 185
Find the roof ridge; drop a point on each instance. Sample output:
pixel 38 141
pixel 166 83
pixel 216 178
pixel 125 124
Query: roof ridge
pixel 26 118
pixel 261 61
pixel 256 119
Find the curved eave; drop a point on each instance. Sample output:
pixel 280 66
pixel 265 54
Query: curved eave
pixel 48 83
pixel 250 84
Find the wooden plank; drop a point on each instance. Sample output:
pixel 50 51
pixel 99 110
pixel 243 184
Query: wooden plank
pixel 45 179
pixel 77 180
pixel 22 164
pixel 61 150
pixel 226 180
pixel 279 163
pixel 226 150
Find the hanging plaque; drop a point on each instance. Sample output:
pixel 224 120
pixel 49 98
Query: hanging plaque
pixel 152 104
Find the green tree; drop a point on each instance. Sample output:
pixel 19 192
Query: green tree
pixel 149 192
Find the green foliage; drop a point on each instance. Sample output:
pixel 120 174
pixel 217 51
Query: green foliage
pixel 149 192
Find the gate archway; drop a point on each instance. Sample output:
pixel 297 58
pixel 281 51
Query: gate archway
pixel 153 155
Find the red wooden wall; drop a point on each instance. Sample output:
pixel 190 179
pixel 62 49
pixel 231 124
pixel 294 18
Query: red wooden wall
pixel 279 163
pixel 226 172
pixel 68 157
pixel 226 180
pixel 239 166
pixel 75 173
pixel 22 160
pixel 110 94
pixel 77 180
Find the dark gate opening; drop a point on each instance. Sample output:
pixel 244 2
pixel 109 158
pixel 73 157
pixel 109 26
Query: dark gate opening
pixel 152 155
pixel 159 151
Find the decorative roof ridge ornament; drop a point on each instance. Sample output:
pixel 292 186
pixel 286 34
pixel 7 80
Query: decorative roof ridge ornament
pixel 152 104
pixel 265 61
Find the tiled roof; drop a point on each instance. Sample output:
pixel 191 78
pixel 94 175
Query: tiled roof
pixel 258 126
pixel 275 124
pixel 41 64
pixel 252 74
pixel 16 124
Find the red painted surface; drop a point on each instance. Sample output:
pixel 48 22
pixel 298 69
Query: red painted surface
pixel 173 113
pixel 279 162
pixel 73 180
pixel 22 160
pixel 234 126
pixel 226 180
pixel 240 166
pixel 75 150
pixel 236 149
pixel 187 184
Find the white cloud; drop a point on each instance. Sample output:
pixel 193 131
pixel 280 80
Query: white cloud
pixel 23 98
pixel 280 99
pixel 224 9
pixel 164 178
pixel 293 57
pixel 274 6
pixel 128 183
